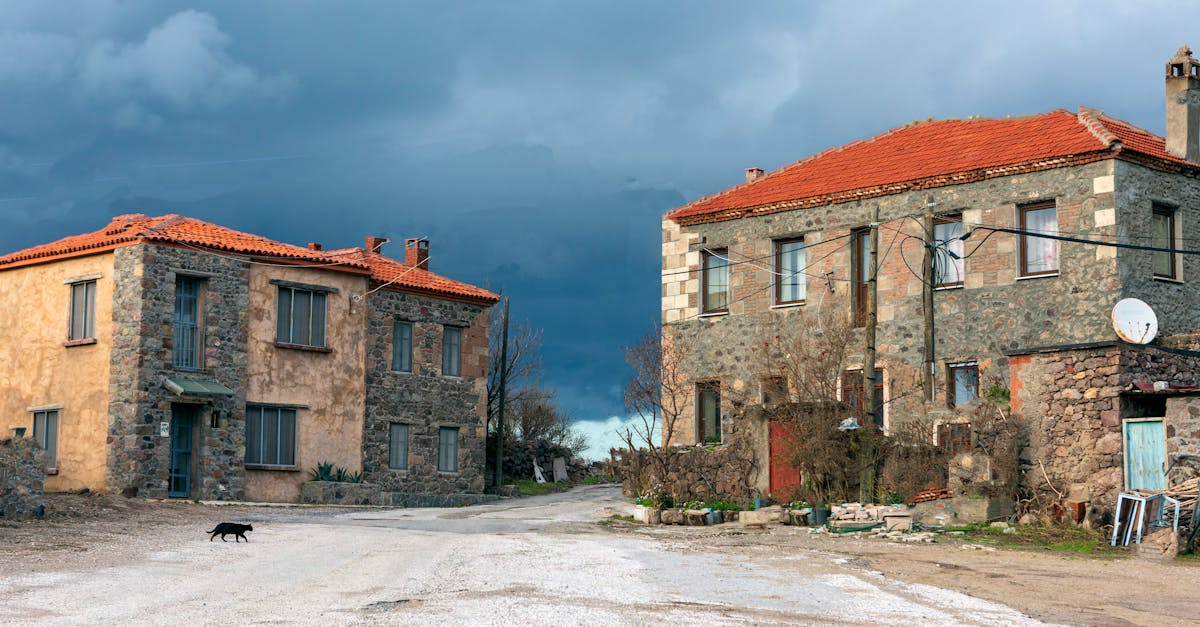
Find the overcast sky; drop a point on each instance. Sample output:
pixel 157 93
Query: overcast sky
pixel 535 143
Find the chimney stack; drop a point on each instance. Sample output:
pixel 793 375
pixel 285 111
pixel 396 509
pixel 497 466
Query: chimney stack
pixel 374 244
pixel 416 253
pixel 314 246
pixel 1183 105
pixel 753 174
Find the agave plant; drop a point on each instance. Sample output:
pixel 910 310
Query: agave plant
pixel 323 472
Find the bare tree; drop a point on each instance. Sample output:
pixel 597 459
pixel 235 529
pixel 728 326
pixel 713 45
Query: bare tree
pixel 809 355
pixel 656 395
pixel 538 417
pixel 524 364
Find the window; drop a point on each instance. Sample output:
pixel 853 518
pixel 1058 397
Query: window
pixel 402 346
pixel 398 446
pixel 448 449
pixel 963 383
pixel 270 436
pixel 1162 231
pixel 948 252
pixel 452 351
pixel 1039 256
pixel 301 319
pixel 83 311
pixel 861 273
pixel 45 433
pixel 790 264
pixel 955 437
pixel 852 394
pixel 715 282
pixel 773 391
pixel 187 346
pixel 708 411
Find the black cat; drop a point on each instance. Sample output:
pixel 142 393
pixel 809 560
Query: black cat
pixel 237 530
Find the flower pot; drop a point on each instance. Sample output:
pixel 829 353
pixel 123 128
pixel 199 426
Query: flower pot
pixel 819 516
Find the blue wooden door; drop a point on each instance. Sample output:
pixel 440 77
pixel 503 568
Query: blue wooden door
pixel 180 475
pixel 1145 455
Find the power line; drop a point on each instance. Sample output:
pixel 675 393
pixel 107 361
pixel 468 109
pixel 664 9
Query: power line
pixel 768 285
pixel 748 259
pixel 1076 240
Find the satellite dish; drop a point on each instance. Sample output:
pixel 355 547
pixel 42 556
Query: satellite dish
pixel 1134 321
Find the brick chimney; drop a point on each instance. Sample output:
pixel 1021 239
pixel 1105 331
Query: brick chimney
pixel 314 246
pixel 374 244
pixel 753 174
pixel 416 253
pixel 1183 105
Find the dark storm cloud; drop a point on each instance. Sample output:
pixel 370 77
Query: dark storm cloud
pixel 536 143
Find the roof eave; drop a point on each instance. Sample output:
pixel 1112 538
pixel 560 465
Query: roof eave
pixel 863 193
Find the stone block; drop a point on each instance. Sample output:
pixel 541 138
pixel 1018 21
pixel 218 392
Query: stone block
pixel 672 516
pixel 898 522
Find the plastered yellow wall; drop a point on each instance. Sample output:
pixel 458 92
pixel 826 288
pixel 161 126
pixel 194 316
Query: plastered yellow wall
pixel 330 386
pixel 37 370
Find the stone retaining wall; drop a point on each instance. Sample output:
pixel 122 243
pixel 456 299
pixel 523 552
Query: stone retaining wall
pixel 22 477
pixel 697 473
pixel 340 493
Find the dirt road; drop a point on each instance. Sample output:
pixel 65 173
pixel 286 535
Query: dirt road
pixel 541 560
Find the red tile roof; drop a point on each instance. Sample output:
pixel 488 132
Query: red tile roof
pixel 187 232
pixel 932 154
pixel 392 274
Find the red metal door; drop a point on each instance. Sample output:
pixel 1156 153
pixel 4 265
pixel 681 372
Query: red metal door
pixel 785 479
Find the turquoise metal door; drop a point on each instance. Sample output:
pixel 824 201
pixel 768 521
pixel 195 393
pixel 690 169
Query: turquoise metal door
pixel 180 475
pixel 1145 455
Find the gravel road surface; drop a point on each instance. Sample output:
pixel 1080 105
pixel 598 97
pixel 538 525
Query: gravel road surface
pixel 540 560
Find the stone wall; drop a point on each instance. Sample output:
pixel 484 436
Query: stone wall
pixel 340 493
pixel 992 313
pixel 698 472
pixel 1138 188
pixel 143 314
pixel 1072 403
pixel 425 399
pixel 22 477
pixel 1183 437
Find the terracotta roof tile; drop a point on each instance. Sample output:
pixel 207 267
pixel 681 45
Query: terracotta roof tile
pixel 941 152
pixel 179 230
pixel 392 274
pixel 174 229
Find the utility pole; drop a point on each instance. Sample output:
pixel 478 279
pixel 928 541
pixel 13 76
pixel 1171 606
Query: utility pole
pixel 866 484
pixel 868 370
pixel 927 276
pixel 503 393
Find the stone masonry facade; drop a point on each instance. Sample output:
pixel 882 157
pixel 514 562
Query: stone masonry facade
pixel 22 477
pixel 425 400
pixel 1072 403
pixel 994 313
pixel 143 312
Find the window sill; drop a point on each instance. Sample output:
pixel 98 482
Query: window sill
pixel 1029 277
pixel 401 372
pixel 798 303
pixel 713 314
pixel 304 347
pixel 456 377
pixel 52 471
pixel 84 342
pixel 448 473
pixel 955 286
pixel 278 468
pixel 1167 279
pixel 398 471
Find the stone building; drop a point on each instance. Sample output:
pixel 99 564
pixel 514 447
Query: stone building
pixel 170 357
pixel 784 247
